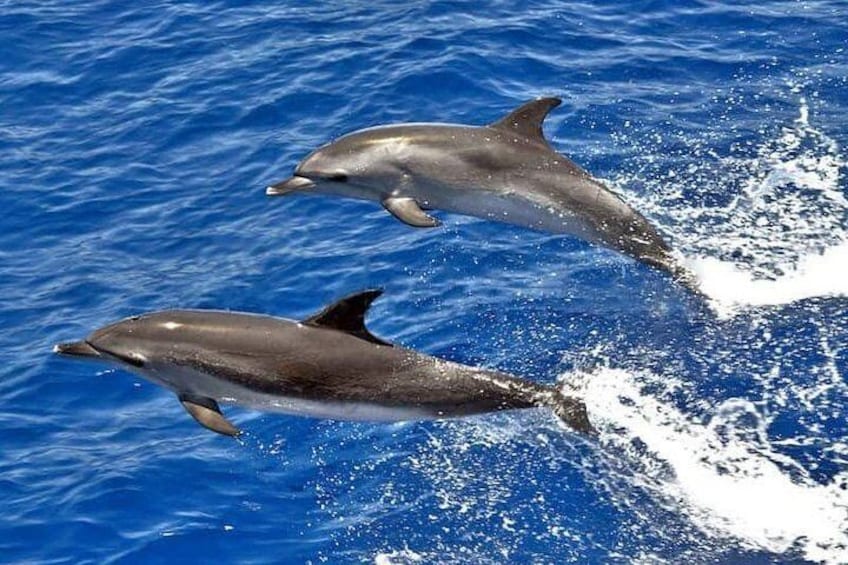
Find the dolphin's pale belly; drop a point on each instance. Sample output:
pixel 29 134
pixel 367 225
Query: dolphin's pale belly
pixel 334 410
pixel 184 379
pixel 510 208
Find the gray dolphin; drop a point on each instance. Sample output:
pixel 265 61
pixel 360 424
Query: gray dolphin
pixel 504 171
pixel 328 366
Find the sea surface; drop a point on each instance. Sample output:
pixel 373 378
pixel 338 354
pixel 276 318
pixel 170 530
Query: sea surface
pixel 136 140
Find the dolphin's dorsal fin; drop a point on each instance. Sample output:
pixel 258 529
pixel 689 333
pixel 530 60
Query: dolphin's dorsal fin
pixel 348 315
pixel 527 119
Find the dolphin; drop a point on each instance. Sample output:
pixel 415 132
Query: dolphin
pixel 505 171
pixel 328 365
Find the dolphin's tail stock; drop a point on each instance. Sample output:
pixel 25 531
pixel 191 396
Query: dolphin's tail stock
pixel 680 274
pixel 571 411
pixel 687 279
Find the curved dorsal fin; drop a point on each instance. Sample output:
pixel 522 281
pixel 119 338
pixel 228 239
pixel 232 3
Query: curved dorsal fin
pixel 348 315
pixel 526 120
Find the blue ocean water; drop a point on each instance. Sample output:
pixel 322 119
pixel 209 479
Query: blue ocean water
pixel 136 140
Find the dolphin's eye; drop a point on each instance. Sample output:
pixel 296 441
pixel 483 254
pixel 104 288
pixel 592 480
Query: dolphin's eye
pixel 338 177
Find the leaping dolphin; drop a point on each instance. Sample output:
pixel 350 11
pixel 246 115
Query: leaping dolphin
pixel 505 171
pixel 328 366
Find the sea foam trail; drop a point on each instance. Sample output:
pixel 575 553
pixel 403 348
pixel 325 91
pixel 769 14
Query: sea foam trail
pixel 729 485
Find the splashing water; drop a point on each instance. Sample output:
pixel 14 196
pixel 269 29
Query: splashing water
pixel 781 238
pixel 816 274
pixel 405 556
pixel 723 474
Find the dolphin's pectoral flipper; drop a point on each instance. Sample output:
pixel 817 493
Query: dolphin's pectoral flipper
pixel 409 212
pixel 348 315
pixel 205 410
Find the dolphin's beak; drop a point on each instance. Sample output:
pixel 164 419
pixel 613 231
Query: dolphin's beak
pixel 76 349
pixel 289 185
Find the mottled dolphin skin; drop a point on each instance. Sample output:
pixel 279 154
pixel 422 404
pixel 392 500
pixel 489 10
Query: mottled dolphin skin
pixel 327 366
pixel 505 171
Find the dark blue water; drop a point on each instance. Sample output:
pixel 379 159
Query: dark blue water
pixel 135 144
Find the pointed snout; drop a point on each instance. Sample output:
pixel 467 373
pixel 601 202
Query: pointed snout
pixel 76 349
pixel 289 185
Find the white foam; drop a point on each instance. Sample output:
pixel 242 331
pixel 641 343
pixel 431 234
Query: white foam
pixel 404 556
pixel 730 287
pixel 724 474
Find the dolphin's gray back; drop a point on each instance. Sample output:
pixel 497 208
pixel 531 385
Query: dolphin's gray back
pixel 278 357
